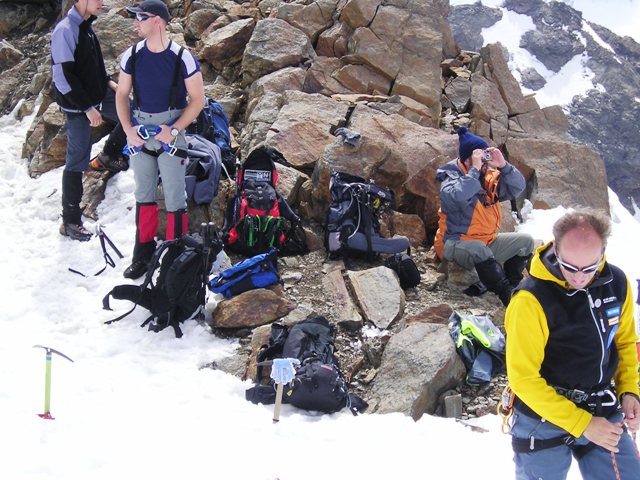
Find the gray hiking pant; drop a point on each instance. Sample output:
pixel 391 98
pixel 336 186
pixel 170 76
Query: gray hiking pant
pixel 171 169
pixel 468 253
pixel 554 463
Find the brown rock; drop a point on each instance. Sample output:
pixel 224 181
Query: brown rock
pixel 241 312
pixel 566 175
pixel 486 101
pixel 362 79
pixel 319 78
pixel 496 63
pixel 333 42
pixel 274 44
pixel 439 314
pixel 226 45
pixel 312 19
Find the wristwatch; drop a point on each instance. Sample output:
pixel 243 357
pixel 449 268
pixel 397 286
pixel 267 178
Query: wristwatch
pixel 175 132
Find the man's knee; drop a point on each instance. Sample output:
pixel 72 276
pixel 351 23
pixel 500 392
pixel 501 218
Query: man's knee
pixel 467 253
pixel 527 245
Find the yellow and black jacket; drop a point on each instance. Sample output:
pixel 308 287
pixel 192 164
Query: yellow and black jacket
pixel 558 336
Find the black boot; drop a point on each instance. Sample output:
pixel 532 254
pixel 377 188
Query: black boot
pixel 513 268
pixel 492 275
pixel 142 253
pixel 145 246
pixel 71 214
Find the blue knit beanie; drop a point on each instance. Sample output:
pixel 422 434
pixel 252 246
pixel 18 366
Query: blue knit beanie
pixel 468 143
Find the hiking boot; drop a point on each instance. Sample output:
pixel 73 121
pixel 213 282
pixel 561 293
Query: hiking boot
pixel 136 270
pixel 492 275
pixel 75 232
pixel 103 163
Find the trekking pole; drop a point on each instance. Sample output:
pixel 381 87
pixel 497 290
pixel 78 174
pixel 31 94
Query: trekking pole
pixel 282 372
pixel 47 380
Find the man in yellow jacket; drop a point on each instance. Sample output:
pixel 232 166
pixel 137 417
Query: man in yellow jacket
pixel 572 359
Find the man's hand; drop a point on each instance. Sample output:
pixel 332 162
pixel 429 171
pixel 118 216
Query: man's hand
pixel 95 119
pixel 476 159
pixel 165 135
pixel 133 139
pixel 604 433
pixel 497 159
pixel 631 410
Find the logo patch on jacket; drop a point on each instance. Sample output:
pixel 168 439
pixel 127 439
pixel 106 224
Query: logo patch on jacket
pixel 613 315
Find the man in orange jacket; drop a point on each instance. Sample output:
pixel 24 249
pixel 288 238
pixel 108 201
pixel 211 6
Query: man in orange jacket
pixel 472 187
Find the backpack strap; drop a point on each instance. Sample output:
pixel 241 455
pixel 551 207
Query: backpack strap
pixel 174 85
pixel 127 291
pixel 134 92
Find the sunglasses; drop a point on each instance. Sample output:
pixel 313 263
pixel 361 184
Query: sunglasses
pixel 141 17
pixel 586 270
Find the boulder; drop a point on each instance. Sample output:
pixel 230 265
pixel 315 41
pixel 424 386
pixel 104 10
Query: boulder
pixel 312 19
pixel 418 364
pixel 303 124
pixel 495 63
pixel 320 77
pixel 225 46
pixel 379 295
pixel 564 174
pixel 241 312
pixel 274 44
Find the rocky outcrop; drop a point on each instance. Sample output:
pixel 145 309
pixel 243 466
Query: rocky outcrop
pixel 603 119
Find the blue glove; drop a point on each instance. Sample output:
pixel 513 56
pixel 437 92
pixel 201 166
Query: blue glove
pixel 282 370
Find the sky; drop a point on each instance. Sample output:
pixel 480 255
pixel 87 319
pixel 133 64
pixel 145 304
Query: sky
pixel 620 16
pixel 135 404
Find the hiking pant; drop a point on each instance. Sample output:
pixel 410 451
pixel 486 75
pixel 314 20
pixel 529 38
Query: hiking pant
pixel 78 130
pixel 553 463
pixel 171 169
pixel 468 253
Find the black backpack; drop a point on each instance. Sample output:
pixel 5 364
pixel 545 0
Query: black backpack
pixel 179 291
pixel 319 383
pixel 405 268
pixel 352 227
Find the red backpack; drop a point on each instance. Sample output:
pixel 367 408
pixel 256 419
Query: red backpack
pixel 258 218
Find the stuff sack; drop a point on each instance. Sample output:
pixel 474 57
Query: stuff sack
pixel 203 169
pixel 318 383
pixel 212 123
pixel 258 218
pixel 352 227
pixel 258 271
pixel 405 268
pixel 181 269
pixel 480 344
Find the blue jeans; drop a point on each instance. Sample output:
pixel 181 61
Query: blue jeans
pixel 79 134
pixel 554 463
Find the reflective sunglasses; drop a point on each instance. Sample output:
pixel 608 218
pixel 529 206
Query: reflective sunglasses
pixel 141 17
pixel 586 270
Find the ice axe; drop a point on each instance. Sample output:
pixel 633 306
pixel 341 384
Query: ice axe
pixel 47 380
pixel 282 372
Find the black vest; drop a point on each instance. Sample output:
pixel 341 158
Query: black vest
pixel 580 352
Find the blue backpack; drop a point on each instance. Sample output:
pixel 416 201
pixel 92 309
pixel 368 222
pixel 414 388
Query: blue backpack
pixel 213 124
pixel 256 272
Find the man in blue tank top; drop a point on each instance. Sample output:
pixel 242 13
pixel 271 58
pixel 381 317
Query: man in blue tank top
pixel 160 74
